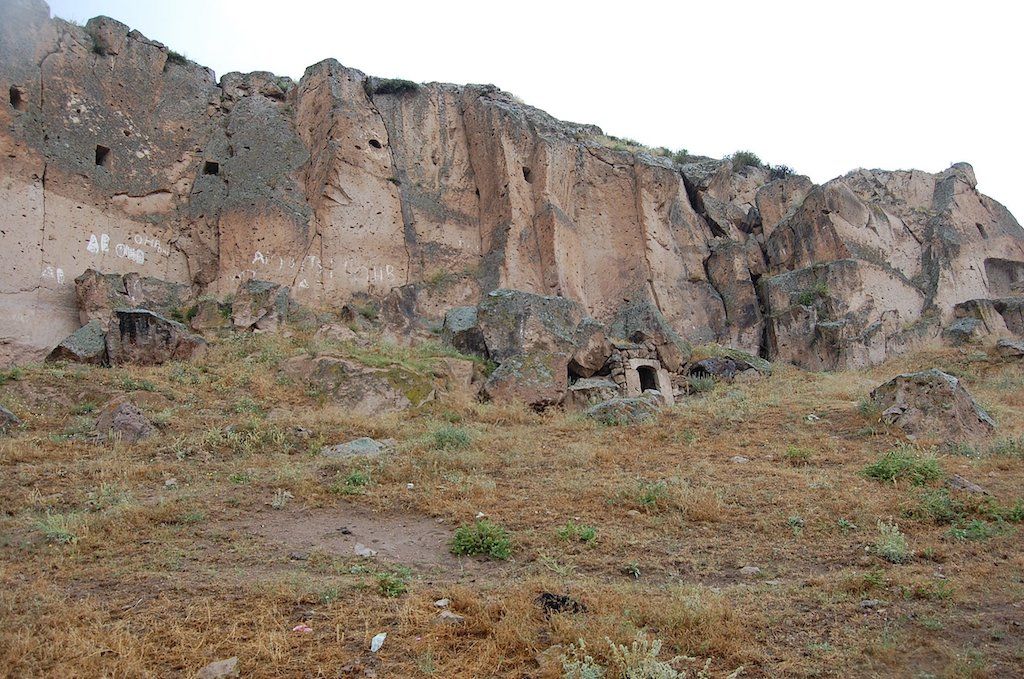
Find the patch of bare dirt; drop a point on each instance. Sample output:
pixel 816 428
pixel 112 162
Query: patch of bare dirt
pixel 405 539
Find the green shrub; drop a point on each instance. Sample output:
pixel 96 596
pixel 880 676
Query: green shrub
pixel 811 295
pixel 746 159
pixel 779 171
pixel 650 495
pixel 482 538
pixel 905 463
pixel 700 383
pixel 1008 447
pixel 11 375
pixel 353 484
pixel 974 530
pixel 176 58
pixel 891 544
pixel 449 437
pixel 391 86
pixel 938 506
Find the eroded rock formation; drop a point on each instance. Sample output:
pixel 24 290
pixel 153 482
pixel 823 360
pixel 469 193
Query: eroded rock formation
pixel 118 155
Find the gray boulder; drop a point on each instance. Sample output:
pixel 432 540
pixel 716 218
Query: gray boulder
pixel 8 420
pixel 588 392
pixel 141 337
pixel 124 420
pixel 620 411
pixel 360 447
pixel 259 305
pixel 932 404
pixel 88 344
pixel 1008 348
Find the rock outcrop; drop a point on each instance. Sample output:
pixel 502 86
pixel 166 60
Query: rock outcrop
pixel 119 156
pixel 932 404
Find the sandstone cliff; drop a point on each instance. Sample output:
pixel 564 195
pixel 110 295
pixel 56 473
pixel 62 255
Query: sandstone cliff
pixel 118 155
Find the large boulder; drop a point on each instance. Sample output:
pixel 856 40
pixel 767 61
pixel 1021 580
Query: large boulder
pixel 932 404
pixel 98 295
pixel 624 410
pixel 209 314
pixel 124 420
pixel 538 379
pixel 1008 348
pixel 461 330
pixel 588 392
pixel 141 337
pixel 259 305
pixel 359 389
pixel 88 344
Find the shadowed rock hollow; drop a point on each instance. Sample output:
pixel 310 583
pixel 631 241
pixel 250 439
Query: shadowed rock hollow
pixel 120 156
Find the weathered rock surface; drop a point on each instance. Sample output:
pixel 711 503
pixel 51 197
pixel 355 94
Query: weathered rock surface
pixel 932 404
pixel 98 295
pixel 259 305
pixel 361 447
pixel 590 391
pixel 88 344
pixel 8 420
pixel 624 410
pixel 141 337
pixel 362 390
pixel 124 420
pixel 1010 348
pixel 343 189
pixel 220 669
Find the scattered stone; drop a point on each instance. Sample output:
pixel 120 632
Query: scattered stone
pixel 171 483
pixel 750 571
pixel 623 410
pixel 1008 348
pixel 124 420
pixel 933 404
pixel 871 603
pixel 298 556
pixel 442 603
pixel 410 486
pixel 364 551
pixel 360 447
pixel 450 618
pixel 141 337
pixel 221 669
pixel 8 420
pixel 259 305
pixel 957 482
pixel 559 603
pixel 88 344
pixel 813 418
pixel 377 641
pixel 739 459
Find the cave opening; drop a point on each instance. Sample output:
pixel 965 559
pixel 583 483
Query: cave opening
pixel 102 156
pixel 211 167
pixel 18 102
pixel 375 144
pixel 648 378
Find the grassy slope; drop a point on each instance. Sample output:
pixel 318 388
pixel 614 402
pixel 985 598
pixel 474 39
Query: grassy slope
pixel 158 581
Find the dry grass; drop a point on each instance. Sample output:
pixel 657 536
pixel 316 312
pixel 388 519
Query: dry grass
pixel 151 580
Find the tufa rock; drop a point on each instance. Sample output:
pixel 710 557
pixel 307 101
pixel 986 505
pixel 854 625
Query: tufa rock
pixel 362 390
pixel 590 391
pixel 141 337
pixel 621 410
pixel 209 314
pixel 124 420
pixel 361 447
pixel 98 295
pixel 88 344
pixel 932 404
pixel 957 482
pixel 259 305
pixel 221 669
pixel 1008 348
pixel 8 420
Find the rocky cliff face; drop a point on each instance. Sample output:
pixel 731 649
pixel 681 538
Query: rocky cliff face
pixel 118 155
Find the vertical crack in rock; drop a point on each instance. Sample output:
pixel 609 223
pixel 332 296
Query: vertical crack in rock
pixel 400 173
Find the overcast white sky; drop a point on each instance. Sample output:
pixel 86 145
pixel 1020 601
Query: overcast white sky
pixel 821 86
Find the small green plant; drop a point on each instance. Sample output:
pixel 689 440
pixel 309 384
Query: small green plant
pixel 127 383
pixel 650 495
pixel 247 405
pixel 394 583
pixel 632 569
pixel 281 498
pixel 974 530
pixel 779 171
pixel 938 506
pixel 905 463
pixel 11 375
pixel 61 529
pixel 868 409
pixel 482 538
pixel 449 437
pixel 1008 447
pixel 240 478
pixel 811 295
pixel 798 457
pixel 176 57
pixel 700 383
pixel 891 544
pixel 796 524
pixel 846 525
pixel 353 484
pixel 577 532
